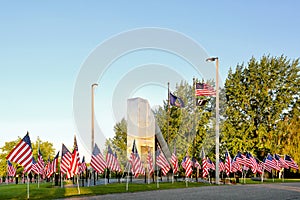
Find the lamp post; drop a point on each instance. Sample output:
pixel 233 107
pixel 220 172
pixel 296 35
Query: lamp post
pixel 212 59
pixel 92 145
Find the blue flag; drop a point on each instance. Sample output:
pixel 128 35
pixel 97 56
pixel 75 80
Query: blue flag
pixel 176 101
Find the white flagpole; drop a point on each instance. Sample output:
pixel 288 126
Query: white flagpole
pixel 127 175
pixel 149 174
pixel 186 182
pixel 173 177
pixel 61 181
pixel 157 183
pixel 105 174
pixel 6 180
pixel 262 175
pixel 27 186
pixel 38 161
pixel 78 188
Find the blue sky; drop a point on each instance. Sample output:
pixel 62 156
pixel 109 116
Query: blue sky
pixel 43 45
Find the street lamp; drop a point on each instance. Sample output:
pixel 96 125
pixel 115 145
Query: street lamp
pixel 93 86
pixel 212 59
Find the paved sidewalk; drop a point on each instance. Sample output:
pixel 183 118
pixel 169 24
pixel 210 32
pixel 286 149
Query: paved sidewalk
pixel 278 191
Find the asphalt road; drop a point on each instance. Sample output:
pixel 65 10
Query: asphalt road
pixel 280 191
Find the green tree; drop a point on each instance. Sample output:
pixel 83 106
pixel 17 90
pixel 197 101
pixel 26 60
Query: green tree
pixel 8 146
pixel 259 97
pixel 119 141
pixel 189 127
pixel 291 134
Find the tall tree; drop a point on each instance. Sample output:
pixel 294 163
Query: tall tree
pixel 119 141
pixel 188 126
pixel 259 96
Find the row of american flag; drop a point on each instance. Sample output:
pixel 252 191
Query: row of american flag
pixel 70 164
pixel 241 162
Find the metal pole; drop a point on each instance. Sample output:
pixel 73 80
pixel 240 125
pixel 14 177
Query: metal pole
pixel 217 116
pixel 168 115
pixel 217 121
pixel 38 181
pixel 92 145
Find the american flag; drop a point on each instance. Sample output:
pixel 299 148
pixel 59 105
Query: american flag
pixel 235 166
pixel 251 162
pixel 10 169
pixel 203 89
pixel 227 163
pixel 260 166
pixel 204 167
pixel 290 162
pixel 196 163
pixel 48 168
pixel 183 163
pixel 271 162
pixel 210 164
pixel 265 166
pixel 54 163
pixel 174 161
pixel 188 166
pixel 240 159
pixel 150 163
pixel 136 163
pixel 110 159
pixel 221 166
pixel 280 162
pixel 97 162
pixel 22 153
pixel 35 166
pixel 75 159
pixel 162 162
pixel 82 166
pixel 117 164
pixel 65 160
pixel 40 162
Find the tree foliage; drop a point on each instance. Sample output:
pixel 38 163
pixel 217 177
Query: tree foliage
pixel 189 127
pixel 119 142
pixel 259 99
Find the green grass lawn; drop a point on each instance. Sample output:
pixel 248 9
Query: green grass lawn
pixel 47 191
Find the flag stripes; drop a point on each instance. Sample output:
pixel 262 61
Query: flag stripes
pixel 65 160
pixel 97 162
pixel 22 153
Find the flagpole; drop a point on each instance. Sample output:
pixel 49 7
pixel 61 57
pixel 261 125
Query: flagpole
pixel 157 183
pixel 128 168
pixel 212 59
pixel 38 161
pixel 61 181
pixel 27 186
pixel 283 172
pixel 262 174
pixel 168 111
pixel 186 182
pixel 7 174
pixel 105 174
pixel 78 188
pixel 148 165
